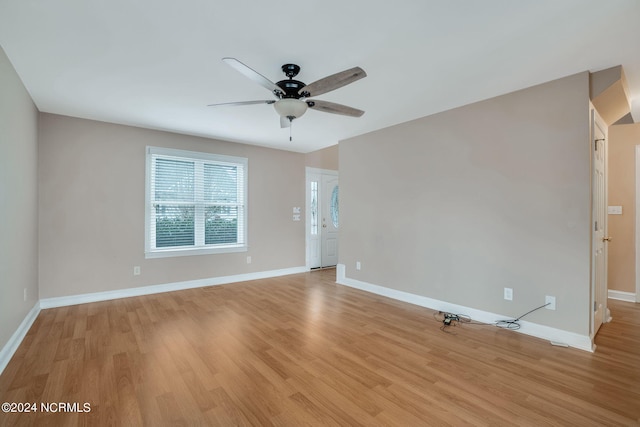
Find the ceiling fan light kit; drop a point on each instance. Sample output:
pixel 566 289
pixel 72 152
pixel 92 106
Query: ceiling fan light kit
pixel 292 94
pixel 290 108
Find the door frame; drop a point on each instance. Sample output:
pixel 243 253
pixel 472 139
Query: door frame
pixel 637 224
pixel 309 174
pixel 594 118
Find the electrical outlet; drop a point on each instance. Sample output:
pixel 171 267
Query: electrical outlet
pixel 551 301
pixel 358 265
pixel 508 294
pixel 249 259
pixel 136 270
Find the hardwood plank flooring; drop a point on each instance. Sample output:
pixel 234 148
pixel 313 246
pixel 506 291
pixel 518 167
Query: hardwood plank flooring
pixel 301 350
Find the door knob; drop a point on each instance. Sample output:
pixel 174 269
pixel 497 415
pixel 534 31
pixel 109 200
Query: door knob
pixel 607 239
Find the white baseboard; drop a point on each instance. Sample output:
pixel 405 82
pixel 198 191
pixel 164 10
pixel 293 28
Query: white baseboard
pixel 622 296
pixel 167 287
pixel 582 342
pixel 12 345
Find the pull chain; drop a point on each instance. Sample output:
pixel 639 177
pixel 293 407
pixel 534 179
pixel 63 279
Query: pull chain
pixel 290 126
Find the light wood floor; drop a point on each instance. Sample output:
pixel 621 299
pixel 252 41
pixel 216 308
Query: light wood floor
pixel 301 350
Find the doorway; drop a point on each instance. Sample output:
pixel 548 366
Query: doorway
pixel 322 219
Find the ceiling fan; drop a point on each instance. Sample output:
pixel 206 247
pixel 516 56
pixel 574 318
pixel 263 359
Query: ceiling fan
pixel 292 95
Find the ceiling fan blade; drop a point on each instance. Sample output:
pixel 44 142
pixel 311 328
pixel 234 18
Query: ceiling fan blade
pixel 333 82
pixel 285 122
pixel 253 75
pixel 333 108
pixel 232 104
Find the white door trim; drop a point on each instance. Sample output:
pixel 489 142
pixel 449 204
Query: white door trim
pixel 321 171
pixel 637 223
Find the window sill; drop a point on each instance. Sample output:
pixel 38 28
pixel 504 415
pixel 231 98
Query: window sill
pixel 168 253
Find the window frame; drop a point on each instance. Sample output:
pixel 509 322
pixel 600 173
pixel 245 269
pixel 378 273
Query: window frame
pixel 199 157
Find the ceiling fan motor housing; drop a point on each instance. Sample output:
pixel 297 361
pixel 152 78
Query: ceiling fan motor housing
pixel 291 88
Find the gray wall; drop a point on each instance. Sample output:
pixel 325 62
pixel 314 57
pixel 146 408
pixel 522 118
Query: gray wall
pixel 92 188
pixel 458 205
pixel 18 201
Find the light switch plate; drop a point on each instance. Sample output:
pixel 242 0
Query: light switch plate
pixel 614 210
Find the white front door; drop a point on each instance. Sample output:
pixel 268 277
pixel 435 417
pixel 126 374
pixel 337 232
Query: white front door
pixel 599 225
pixel 329 220
pixel 322 218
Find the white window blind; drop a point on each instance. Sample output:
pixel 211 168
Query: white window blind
pixel 196 203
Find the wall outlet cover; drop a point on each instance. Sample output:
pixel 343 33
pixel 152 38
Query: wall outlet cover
pixel 551 301
pixel 508 294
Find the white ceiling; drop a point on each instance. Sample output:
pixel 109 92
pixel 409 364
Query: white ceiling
pixel 157 63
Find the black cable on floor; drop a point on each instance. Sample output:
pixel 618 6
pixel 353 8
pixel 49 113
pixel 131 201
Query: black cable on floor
pixel 451 319
pixel 513 323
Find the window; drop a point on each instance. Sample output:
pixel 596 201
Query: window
pixel 195 203
pixel 314 208
pixel 335 208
